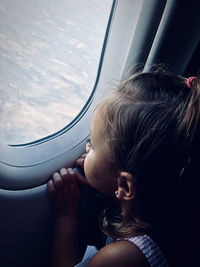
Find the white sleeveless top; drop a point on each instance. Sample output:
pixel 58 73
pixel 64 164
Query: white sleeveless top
pixel 150 249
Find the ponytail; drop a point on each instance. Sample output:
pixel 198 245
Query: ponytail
pixel 191 119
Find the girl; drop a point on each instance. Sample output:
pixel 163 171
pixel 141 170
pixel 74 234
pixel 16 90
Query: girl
pixel 145 140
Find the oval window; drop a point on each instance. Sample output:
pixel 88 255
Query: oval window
pixel 49 52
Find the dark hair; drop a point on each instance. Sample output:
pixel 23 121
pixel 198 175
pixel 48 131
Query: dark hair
pixel 152 126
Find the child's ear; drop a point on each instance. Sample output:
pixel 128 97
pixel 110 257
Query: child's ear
pixel 126 187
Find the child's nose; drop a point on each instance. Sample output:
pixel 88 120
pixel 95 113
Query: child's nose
pixel 88 146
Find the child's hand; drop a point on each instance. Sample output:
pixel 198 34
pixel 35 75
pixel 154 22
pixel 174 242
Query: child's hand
pixel 64 192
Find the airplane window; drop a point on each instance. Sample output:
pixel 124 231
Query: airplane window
pixel 49 55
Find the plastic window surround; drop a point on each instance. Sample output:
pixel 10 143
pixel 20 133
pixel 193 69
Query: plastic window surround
pixel 27 166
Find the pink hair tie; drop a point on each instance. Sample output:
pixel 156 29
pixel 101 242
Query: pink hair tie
pixel 189 82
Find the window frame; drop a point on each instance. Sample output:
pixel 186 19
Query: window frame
pixel 29 165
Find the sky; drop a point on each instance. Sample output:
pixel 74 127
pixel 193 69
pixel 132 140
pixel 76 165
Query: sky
pixel 49 56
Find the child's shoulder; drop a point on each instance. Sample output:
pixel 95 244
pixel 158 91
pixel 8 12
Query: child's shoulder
pixel 119 254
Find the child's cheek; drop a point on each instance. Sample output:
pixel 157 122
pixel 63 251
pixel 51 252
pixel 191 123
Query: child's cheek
pixel 87 165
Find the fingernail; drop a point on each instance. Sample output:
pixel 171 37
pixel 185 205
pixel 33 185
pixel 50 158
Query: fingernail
pixel 55 175
pixel 63 171
pixel 70 170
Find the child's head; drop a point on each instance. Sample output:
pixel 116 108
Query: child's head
pixel 150 129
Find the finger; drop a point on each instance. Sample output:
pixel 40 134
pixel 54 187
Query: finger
pixel 75 192
pixel 82 156
pixel 80 162
pixel 82 180
pixel 65 176
pixel 51 189
pixel 68 180
pixel 73 174
pixel 58 181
